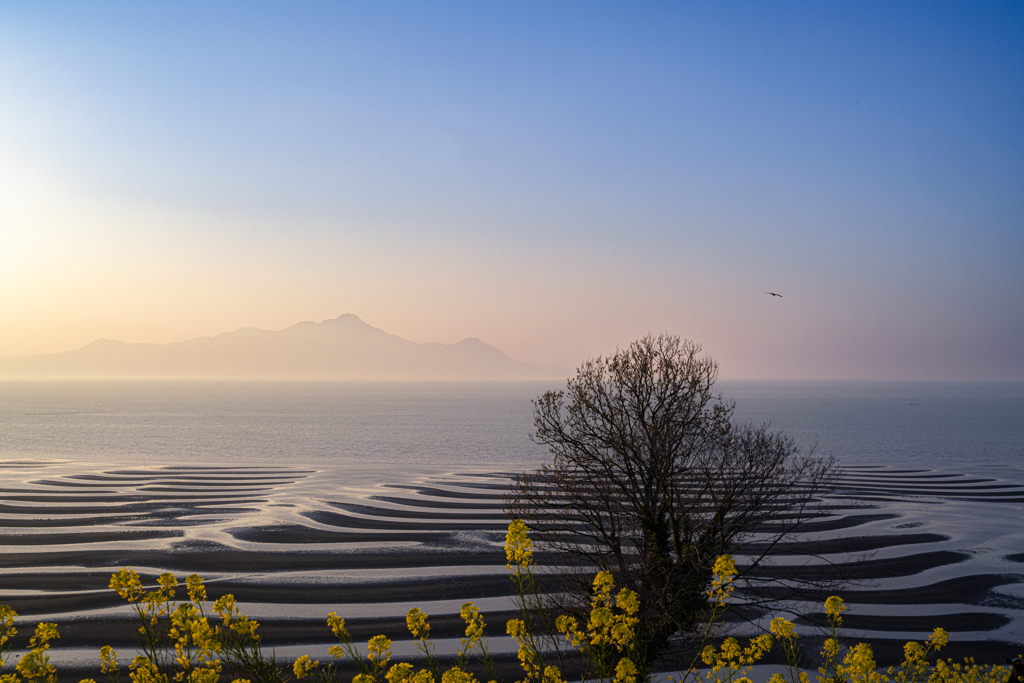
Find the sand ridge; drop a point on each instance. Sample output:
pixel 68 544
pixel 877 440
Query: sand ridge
pixel 932 549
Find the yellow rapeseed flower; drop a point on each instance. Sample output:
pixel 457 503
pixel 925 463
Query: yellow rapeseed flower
pixel 518 546
pixel 859 665
pixel 399 672
pixel 553 675
pixel 36 663
pixel 913 652
pixel 196 589
pixel 725 566
pixel 145 671
pixel 834 606
pixel 723 573
pixel 758 647
pixel 337 625
pixel 416 620
pixel 7 618
pixel 127 583
pixel 379 649
pixel 604 582
pixel 246 627
pixel 474 624
pixel 782 628
pixel 167 582
pixel 457 675
pixel 628 601
pixel 304 665
pixel 625 671
pixel 621 634
pixel 45 632
pixel 939 638
pixel 225 607
pixel 569 627
pixel 528 659
pixel 515 628
pixel 108 660
pixel 205 675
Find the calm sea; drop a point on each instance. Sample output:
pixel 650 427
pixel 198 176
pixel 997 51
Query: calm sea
pixel 423 427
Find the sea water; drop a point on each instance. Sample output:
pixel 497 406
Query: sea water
pixel 424 427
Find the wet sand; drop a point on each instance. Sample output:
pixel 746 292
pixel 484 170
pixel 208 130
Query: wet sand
pixel 285 541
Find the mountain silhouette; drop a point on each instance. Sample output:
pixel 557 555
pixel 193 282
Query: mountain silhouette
pixel 342 348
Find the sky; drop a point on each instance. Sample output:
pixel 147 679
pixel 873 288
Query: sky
pixel 555 178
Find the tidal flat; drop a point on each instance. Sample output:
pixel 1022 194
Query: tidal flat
pixel 368 499
pixel 293 544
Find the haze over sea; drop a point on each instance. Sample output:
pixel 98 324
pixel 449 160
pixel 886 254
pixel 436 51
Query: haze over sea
pixel 430 427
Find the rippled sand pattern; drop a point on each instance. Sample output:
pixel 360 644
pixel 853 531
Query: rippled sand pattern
pixel 292 544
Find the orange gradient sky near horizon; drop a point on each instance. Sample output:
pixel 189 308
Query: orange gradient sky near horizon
pixel 554 181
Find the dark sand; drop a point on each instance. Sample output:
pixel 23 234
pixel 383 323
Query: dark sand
pixel 451 523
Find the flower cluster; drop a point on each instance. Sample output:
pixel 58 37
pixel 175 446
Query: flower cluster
pixel 834 607
pixel 416 621
pixel 625 671
pixel 473 640
pixel 404 672
pixel 379 649
pixel 232 618
pixel 7 631
pixel 474 625
pixel 108 661
pixel 722 582
pixel 786 636
pixel 782 628
pixel 304 666
pixel 179 644
pixel 606 627
pixel 177 639
pixel 457 675
pixel 145 670
pixel 518 546
pixel 730 660
pixel 35 664
pixel 195 646
pixel 609 639
pixel 529 656
pixel 337 625
pixel 127 584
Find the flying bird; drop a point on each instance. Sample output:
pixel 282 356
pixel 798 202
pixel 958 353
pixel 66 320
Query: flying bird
pixel 774 294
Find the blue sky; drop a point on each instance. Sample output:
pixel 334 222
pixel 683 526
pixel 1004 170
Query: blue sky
pixel 554 178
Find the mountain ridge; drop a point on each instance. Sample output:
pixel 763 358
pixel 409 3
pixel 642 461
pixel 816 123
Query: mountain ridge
pixel 345 347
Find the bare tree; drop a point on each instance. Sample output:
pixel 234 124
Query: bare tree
pixel 652 481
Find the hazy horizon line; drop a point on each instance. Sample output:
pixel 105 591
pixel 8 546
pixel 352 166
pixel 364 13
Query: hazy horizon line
pixel 569 370
pixel 474 380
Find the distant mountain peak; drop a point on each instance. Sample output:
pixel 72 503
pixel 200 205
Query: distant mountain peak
pixel 345 347
pixel 345 319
